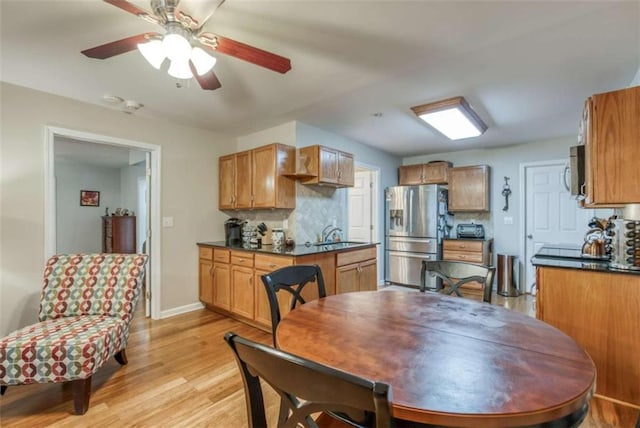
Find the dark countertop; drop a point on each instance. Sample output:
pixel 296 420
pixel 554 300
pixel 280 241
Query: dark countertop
pixel 572 258
pixel 297 250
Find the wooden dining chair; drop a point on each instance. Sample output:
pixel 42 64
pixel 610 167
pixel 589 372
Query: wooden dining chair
pixel 291 279
pixel 455 274
pixel 307 388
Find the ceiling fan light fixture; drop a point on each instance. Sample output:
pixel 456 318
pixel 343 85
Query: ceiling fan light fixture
pixel 153 52
pixel 176 47
pixel 202 61
pixel 180 69
pixel 452 117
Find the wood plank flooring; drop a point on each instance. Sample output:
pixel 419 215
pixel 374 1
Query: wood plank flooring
pixel 182 374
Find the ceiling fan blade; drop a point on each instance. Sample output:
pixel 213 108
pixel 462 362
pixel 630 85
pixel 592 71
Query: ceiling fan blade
pixel 119 46
pixel 249 53
pixel 129 7
pixel 208 81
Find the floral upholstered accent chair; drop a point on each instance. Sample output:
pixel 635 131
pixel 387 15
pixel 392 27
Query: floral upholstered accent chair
pixel 86 307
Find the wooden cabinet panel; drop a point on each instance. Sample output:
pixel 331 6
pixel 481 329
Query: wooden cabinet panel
pixel 328 166
pixel 222 286
pixel 611 131
pixel 429 173
pixel 347 279
pixel 205 277
pixel 269 263
pixel 205 253
pixel 242 291
pixel 462 245
pixel 368 276
pixel 469 188
pixel 264 170
pixel 262 314
pixel 119 234
pixel 222 256
pixel 243 180
pixel 241 259
pixel 226 181
pixel 470 251
pixel 355 256
pixel 599 310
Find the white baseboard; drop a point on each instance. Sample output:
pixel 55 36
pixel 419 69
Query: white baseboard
pixel 181 310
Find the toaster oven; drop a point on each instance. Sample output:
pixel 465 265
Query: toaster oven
pixel 470 230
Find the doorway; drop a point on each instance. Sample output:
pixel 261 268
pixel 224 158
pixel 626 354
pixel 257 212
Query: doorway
pixel 75 142
pixel 549 214
pixel 363 209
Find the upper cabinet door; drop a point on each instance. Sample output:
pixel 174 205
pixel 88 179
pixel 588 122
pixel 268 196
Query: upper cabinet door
pixel 436 173
pixel 243 180
pixel 328 165
pixel 613 148
pixel 410 174
pixel 346 175
pixel 469 188
pixel 264 171
pixel 226 178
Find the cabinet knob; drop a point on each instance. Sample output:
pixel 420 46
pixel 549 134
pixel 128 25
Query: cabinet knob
pixel 272 265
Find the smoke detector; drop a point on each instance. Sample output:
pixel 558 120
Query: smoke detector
pixel 130 106
pixel 112 99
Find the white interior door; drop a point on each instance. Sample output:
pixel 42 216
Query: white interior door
pixel 359 208
pixel 552 214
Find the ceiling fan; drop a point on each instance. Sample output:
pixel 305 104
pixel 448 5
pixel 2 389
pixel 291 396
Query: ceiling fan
pixel 184 44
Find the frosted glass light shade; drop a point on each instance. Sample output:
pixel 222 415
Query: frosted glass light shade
pixel 202 61
pixel 176 47
pixel 452 117
pixel 152 51
pixel 180 69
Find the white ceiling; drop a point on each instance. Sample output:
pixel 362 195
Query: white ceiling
pixel 525 66
pixel 101 155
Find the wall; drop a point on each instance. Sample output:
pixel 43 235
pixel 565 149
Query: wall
pixel 129 187
pixel 189 193
pixel 78 228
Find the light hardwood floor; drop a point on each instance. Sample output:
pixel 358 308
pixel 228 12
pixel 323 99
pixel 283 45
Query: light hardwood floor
pixel 182 374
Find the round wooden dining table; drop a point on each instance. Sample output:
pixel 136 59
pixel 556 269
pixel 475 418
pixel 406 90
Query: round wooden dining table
pixel 449 361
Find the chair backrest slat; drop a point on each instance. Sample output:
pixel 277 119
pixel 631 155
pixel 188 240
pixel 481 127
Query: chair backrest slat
pixel 91 284
pixel 455 274
pixel 307 388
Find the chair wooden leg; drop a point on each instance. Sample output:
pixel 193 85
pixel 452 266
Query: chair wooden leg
pixel 121 357
pixel 81 395
pixel 3 388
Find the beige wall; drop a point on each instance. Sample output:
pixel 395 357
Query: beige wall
pixel 189 193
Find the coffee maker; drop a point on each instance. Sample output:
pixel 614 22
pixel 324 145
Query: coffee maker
pixel 233 232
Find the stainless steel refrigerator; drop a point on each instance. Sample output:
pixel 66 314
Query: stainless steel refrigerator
pixel 416 221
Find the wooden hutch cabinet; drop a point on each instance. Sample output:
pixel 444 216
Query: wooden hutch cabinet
pixel 119 234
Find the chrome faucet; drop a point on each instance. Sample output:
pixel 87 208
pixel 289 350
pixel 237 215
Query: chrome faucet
pixel 325 235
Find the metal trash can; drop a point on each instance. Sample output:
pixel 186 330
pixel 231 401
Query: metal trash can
pixel 507 274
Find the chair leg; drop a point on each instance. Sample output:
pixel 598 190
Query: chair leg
pixel 3 388
pixel 121 357
pixel 81 395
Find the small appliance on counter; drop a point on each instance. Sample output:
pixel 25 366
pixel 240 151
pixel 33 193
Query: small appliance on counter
pixel 233 231
pixel 470 231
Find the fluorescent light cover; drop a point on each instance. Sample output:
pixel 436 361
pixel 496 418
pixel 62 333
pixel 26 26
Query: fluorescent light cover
pixel 176 47
pixel 452 117
pixel 152 51
pixel 202 61
pixel 180 70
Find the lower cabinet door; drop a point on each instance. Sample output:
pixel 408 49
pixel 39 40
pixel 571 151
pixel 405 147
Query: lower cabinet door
pixel 368 275
pixel 242 291
pixel 221 286
pixel 347 278
pixel 262 314
pixel 205 281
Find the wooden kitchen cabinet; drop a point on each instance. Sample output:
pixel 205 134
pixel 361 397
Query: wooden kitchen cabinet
pixel 205 275
pixel 257 178
pixel 599 310
pixel 242 286
pixel 264 264
pixel 328 166
pixel 356 271
pixel 610 131
pixel 428 173
pixel 469 188
pixel 478 251
pixel 214 277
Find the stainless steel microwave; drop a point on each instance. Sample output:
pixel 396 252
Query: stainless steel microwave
pixel 576 164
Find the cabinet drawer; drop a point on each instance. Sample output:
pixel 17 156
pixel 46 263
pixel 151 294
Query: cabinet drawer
pixel 462 256
pixel 462 245
pixel 221 256
pixel 271 263
pixel 355 256
pixel 205 253
pixel 241 259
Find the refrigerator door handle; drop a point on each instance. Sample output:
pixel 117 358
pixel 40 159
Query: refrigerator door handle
pixel 423 256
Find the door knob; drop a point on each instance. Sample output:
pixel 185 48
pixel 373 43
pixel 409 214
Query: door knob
pixel 530 236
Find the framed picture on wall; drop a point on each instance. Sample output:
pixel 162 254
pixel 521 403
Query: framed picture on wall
pixel 89 198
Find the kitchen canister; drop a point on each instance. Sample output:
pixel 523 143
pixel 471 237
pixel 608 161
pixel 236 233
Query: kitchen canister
pixel 277 237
